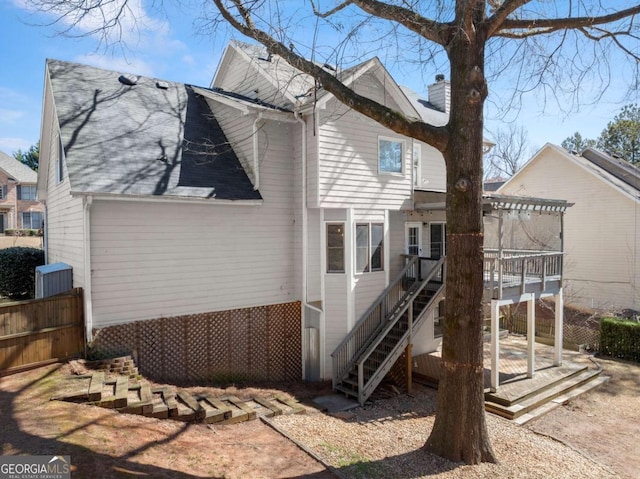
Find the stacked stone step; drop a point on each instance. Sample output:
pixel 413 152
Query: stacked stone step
pixel 123 365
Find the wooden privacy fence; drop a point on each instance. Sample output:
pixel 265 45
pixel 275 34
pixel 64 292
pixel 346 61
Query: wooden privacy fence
pixel 41 331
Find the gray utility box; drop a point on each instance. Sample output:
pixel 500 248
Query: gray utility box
pixel 52 279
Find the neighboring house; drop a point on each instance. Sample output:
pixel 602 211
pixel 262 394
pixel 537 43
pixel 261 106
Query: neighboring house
pixel 602 240
pixel 246 228
pixel 19 208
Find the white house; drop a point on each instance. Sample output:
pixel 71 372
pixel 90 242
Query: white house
pixel 602 244
pixel 254 228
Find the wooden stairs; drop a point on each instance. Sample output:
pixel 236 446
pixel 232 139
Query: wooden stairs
pixel 166 403
pixel 525 400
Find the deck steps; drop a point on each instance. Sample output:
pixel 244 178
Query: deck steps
pixel 179 405
pixel 527 407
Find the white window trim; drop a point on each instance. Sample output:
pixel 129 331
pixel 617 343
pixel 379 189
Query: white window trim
pixel 326 246
pixel 420 226
pixel 403 158
pixel 369 247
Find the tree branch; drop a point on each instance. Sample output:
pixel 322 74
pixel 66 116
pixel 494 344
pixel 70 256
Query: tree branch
pixel 330 12
pixel 502 13
pixel 438 137
pixel 553 24
pixel 437 32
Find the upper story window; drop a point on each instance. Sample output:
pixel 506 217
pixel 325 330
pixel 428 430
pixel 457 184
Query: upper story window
pixel 390 155
pixel 60 161
pixel 3 192
pixel 369 247
pixel 335 248
pixel 27 192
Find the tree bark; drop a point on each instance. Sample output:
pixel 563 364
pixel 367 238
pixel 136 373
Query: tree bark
pixel 459 432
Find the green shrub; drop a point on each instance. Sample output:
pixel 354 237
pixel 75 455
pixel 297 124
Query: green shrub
pixel 22 232
pixel 620 338
pixel 18 271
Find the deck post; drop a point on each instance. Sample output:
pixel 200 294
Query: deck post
pixel 531 335
pixel 409 368
pixel 557 356
pixel 495 346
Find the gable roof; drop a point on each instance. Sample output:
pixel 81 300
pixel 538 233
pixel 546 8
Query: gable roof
pixel 616 173
pixel 428 112
pixel 19 172
pixel 300 89
pixel 142 137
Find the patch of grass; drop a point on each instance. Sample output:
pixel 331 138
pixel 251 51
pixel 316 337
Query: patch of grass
pixel 357 465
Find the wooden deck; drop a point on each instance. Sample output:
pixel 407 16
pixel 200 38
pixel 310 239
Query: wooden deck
pixel 518 396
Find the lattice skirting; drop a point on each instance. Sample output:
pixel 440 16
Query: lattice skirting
pixel 257 344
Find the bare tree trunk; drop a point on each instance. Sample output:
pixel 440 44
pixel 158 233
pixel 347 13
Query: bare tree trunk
pixel 459 432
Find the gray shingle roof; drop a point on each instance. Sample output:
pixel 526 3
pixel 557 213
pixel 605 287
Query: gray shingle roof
pixel 621 169
pixel 142 139
pixel 428 113
pixel 16 170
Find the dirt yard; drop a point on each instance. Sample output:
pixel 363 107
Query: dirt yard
pixel 105 444
pixel 600 430
pixel 604 423
pixel 28 241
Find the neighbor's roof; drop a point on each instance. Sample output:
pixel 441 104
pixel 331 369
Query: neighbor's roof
pixel 616 167
pixel 152 138
pixel 428 112
pixel 16 170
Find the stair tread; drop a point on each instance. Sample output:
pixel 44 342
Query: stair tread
pixel 543 396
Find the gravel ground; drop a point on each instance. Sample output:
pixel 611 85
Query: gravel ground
pixel 384 440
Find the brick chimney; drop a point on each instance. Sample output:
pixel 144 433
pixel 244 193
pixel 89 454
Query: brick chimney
pixel 440 93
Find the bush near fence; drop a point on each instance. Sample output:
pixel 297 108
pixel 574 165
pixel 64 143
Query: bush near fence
pixel 620 338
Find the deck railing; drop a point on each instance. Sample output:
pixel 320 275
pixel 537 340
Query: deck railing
pixel 517 268
pixel 373 319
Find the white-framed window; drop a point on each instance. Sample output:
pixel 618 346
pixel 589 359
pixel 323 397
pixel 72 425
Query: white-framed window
pixel 27 192
pixel 437 240
pixel 390 155
pixel 369 247
pixel 335 247
pixel 417 152
pixel 60 161
pixel 3 192
pixel 31 220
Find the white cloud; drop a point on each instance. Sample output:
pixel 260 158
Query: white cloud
pixel 119 20
pixel 188 59
pixel 9 145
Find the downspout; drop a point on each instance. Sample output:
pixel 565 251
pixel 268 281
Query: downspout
pixel 256 159
pixel 45 233
pixel 88 307
pixel 305 239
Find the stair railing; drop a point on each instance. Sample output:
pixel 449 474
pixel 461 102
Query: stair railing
pixel 366 388
pixel 363 331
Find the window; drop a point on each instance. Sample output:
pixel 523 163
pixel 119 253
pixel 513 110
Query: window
pixel 437 240
pixel 3 192
pixel 335 248
pixel 417 180
pixel 369 247
pixel 26 192
pixel 32 220
pixel 60 161
pixel 390 155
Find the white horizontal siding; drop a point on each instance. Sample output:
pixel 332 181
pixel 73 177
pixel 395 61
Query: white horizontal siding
pixel 335 315
pixel 348 163
pixel 601 240
pixel 65 216
pixel 433 174
pixel 162 259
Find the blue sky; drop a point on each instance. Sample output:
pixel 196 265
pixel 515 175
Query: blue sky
pixel 173 51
